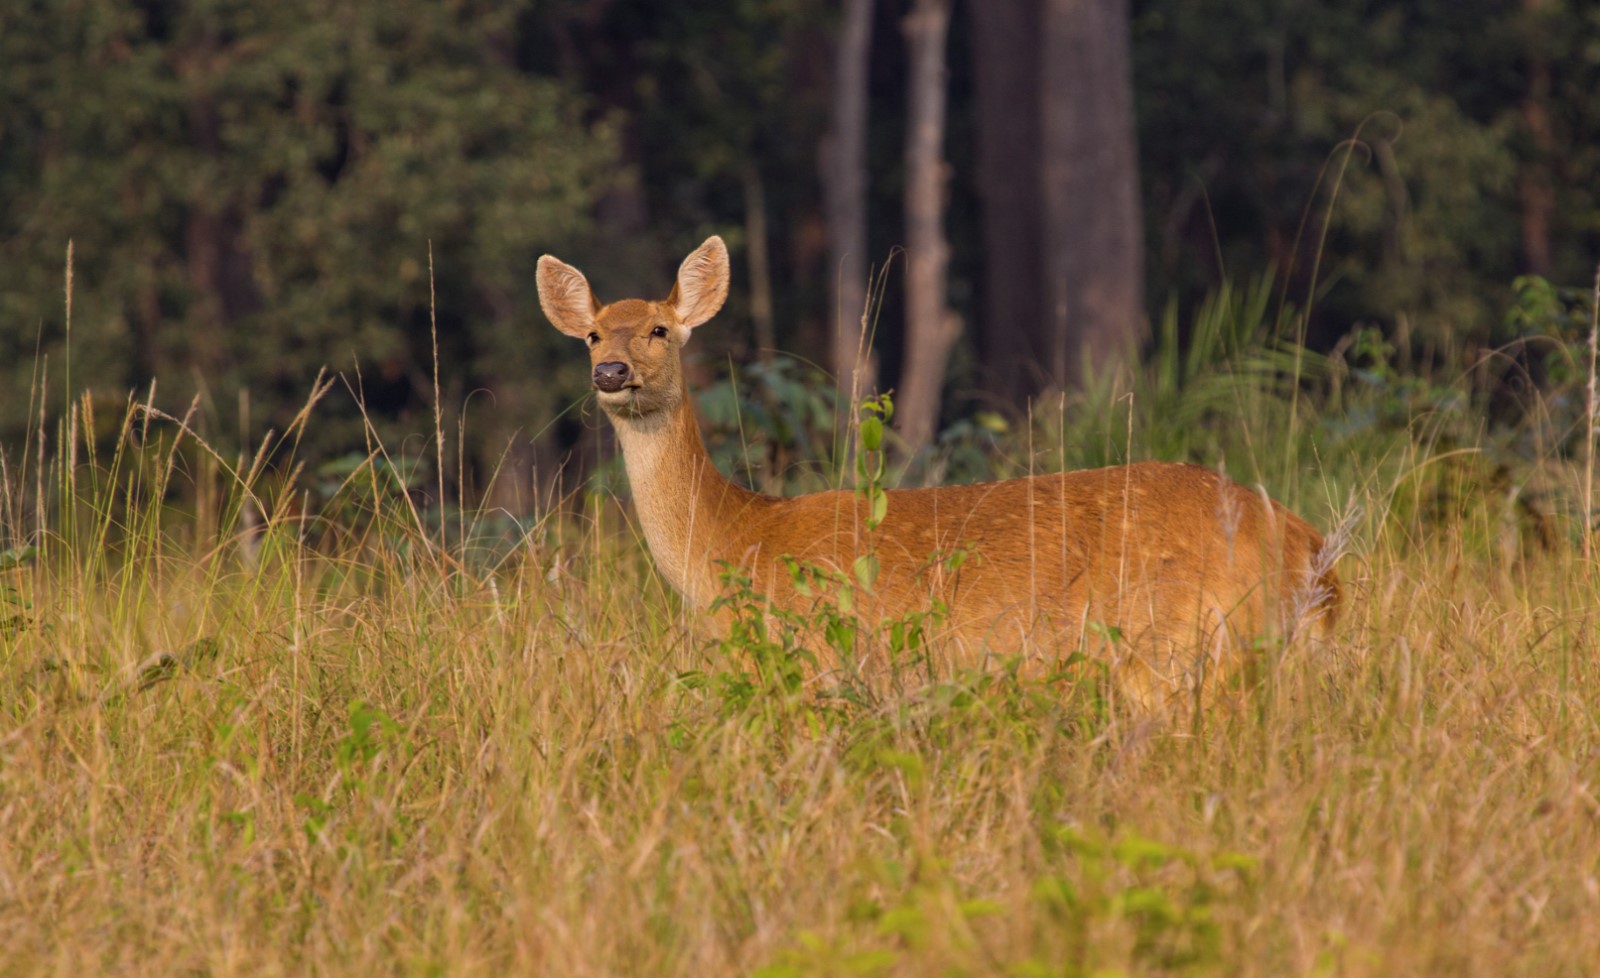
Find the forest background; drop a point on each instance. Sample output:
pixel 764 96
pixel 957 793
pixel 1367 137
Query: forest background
pixel 254 192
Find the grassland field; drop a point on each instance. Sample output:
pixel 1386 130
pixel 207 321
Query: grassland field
pixel 241 737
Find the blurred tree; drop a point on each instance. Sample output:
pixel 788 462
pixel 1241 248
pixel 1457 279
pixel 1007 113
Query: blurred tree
pixel 1093 231
pixel 844 191
pixel 932 327
pixel 721 104
pixel 1535 188
pixel 1059 184
pixel 253 189
pixel 1005 36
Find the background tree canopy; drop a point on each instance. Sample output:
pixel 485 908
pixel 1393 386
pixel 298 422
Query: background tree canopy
pixel 252 189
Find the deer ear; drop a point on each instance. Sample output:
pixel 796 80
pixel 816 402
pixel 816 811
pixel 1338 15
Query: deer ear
pixel 566 298
pixel 702 284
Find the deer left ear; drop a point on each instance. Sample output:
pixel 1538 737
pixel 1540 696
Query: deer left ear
pixel 702 284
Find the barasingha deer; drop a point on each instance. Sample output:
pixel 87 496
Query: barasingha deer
pixel 1170 572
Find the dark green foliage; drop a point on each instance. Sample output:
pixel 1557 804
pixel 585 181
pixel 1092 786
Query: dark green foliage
pixel 772 424
pixel 1375 152
pixel 253 192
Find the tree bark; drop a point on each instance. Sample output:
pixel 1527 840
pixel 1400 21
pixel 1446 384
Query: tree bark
pixel 931 326
pixel 844 188
pixel 1093 239
pixel 1011 340
pixel 1535 188
pixel 220 269
pixel 755 232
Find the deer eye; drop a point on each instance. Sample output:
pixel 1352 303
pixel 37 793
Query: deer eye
pixel 659 332
pixel 594 338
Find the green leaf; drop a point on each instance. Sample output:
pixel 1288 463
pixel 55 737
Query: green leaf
pixel 693 679
pixel 908 923
pixel 992 422
pixel 1137 852
pixel 1110 633
pixel 871 434
pixel 866 570
pixel 909 765
pixel 17 556
pixel 880 508
pixel 1234 860
pixel 841 635
pixel 980 907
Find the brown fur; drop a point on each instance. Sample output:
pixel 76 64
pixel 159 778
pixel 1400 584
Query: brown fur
pixel 1186 565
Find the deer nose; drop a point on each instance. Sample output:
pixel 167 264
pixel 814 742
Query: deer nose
pixel 610 376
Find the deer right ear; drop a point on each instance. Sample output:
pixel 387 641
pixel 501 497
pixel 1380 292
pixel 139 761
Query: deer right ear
pixel 566 298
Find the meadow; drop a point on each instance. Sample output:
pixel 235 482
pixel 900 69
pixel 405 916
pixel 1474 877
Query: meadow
pixel 250 726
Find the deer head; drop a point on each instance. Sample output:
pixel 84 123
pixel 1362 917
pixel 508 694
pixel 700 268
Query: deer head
pixel 634 344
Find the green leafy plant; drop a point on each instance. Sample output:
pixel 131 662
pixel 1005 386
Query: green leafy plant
pixel 769 650
pixel 14 605
pixel 1108 903
pixel 370 759
pixel 1165 896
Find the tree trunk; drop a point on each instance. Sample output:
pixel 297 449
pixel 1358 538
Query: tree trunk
pixel 931 326
pixel 1535 188
pixel 1011 340
pixel 1093 240
pixel 218 263
pixel 755 232
pixel 844 188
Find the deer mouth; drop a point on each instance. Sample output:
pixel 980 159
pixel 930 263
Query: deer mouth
pixel 626 399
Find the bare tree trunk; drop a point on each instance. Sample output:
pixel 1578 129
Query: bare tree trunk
pixel 755 232
pixel 844 188
pixel 219 266
pixel 1534 185
pixel 1011 347
pixel 1093 239
pixel 931 326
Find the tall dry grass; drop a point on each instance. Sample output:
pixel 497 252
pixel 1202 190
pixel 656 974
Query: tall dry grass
pixel 248 736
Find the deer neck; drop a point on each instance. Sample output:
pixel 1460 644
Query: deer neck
pixel 680 496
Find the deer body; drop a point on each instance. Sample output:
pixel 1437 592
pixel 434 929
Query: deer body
pixel 1182 562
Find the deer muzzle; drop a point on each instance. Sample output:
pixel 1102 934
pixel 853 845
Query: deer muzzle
pixel 611 376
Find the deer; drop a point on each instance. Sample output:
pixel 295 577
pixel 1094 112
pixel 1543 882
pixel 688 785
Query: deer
pixel 1168 571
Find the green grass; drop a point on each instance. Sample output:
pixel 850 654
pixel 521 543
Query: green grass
pixel 328 745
